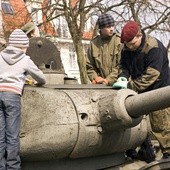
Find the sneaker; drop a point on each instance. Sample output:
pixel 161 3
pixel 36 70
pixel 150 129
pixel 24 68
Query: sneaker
pixel 146 155
pixel 131 153
pixel 166 156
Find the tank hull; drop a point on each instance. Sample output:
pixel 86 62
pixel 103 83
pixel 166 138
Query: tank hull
pixel 68 124
pixel 78 127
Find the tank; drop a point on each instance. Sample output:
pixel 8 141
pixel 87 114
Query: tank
pixel 46 56
pixel 88 127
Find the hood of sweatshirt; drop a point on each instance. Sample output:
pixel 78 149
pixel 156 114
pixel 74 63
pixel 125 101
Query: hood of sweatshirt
pixel 12 55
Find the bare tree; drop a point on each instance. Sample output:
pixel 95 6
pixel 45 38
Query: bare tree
pixel 153 15
pixel 76 16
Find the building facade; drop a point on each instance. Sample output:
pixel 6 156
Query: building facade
pixel 15 14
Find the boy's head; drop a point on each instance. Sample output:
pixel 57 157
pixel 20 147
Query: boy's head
pixel 28 28
pixel 31 30
pixel 18 39
pixel 106 25
pixel 131 35
pixel 105 20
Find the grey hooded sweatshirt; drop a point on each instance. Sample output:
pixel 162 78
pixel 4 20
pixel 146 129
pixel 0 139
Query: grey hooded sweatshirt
pixel 14 67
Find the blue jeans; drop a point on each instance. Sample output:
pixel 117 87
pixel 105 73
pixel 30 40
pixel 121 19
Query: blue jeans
pixel 10 108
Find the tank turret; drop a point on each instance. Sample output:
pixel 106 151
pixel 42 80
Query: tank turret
pixel 84 126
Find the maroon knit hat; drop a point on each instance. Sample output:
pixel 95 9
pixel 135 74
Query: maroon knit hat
pixel 129 31
pixel 105 20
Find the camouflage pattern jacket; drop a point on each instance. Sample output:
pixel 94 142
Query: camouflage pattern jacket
pixel 147 67
pixel 103 58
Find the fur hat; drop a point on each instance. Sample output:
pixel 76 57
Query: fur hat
pixel 129 31
pixel 27 28
pixel 105 20
pixel 18 39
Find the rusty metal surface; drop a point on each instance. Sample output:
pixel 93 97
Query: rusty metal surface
pixel 43 51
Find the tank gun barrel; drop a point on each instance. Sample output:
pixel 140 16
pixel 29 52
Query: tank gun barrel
pixel 145 103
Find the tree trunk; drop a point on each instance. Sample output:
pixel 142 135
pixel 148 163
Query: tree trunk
pixel 2 37
pixel 81 61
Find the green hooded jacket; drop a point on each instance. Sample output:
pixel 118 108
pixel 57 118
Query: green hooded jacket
pixel 103 58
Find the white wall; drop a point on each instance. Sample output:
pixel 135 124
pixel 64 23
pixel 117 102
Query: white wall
pixel 66 47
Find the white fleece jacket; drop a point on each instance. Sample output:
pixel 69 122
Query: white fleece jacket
pixel 14 67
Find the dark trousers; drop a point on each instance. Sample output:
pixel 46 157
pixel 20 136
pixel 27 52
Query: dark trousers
pixel 10 108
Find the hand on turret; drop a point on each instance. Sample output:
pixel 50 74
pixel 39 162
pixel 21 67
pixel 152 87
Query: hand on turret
pixel 121 83
pixel 100 80
pixel 29 81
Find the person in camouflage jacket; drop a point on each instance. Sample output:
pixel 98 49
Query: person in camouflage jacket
pixel 144 66
pixel 104 53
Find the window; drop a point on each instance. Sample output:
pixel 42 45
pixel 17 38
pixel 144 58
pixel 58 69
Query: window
pixel 73 63
pixel 49 2
pixel 35 15
pixel 7 8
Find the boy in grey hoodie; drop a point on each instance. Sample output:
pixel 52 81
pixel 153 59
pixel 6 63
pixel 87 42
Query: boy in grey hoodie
pixel 14 67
